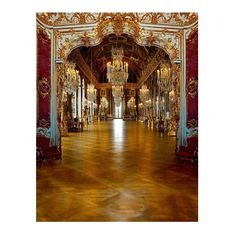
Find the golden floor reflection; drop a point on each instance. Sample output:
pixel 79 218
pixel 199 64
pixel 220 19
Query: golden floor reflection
pixel 117 171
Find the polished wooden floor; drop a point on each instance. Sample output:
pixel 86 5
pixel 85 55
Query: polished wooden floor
pixel 117 171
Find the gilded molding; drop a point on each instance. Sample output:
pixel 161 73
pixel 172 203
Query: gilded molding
pixel 183 19
pixel 72 18
pixel 44 31
pixel 61 18
pixel 104 24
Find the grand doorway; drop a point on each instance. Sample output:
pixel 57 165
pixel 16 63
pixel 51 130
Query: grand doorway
pixel 93 70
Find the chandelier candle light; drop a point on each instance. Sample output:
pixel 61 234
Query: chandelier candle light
pixel 117 71
pixel 117 74
pixel 144 93
pixel 71 80
pixel 164 78
pixel 91 92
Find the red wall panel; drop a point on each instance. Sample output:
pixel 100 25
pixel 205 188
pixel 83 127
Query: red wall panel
pixel 43 79
pixel 192 79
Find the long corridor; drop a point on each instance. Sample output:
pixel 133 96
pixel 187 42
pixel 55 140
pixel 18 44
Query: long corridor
pixel 117 171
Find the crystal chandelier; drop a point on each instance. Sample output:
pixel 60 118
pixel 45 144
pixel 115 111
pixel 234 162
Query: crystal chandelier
pixel 144 93
pixel 91 92
pixel 117 91
pixel 71 80
pixel 131 103
pixel 117 71
pixel 164 78
pixel 104 102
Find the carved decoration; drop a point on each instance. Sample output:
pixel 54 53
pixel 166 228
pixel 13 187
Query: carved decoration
pixel 192 123
pixel 118 24
pixel 44 123
pixel 172 19
pixel 61 18
pixel 192 87
pixel 192 132
pixel 43 131
pixel 43 87
pixel 41 31
pixel 183 19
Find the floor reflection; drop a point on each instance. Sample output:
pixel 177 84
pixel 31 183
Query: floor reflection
pixel 117 171
pixel 118 127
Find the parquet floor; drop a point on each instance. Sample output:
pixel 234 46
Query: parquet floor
pixel 117 171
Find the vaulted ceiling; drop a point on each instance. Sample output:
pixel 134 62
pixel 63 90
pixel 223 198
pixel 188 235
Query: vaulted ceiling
pixel 147 39
pixel 97 57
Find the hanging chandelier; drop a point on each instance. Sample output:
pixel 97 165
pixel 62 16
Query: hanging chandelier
pixel 164 78
pixel 91 92
pixel 144 94
pixel 71 79
pixel 131 103
pixel 117 74
pixel 117 91
pixel 117 70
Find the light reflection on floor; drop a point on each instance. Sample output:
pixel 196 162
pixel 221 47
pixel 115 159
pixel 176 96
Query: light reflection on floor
pixel 117 171
pixel 118 134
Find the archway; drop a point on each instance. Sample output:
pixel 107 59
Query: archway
pixel 144 62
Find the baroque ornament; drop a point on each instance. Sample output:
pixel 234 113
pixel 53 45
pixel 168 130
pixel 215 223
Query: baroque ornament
pixel 192 87
pixel 43 87
pixel 131 103
pixel 104 103
pixel 164 18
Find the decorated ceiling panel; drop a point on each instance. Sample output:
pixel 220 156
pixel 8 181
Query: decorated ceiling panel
pixel 146 38
pixel 63 19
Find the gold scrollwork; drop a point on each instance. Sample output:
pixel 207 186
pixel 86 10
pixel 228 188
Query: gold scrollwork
pixel 61 18
pixel 192 87
pixel 43 87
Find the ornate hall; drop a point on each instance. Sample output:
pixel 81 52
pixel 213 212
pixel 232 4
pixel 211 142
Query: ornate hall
pixel 117 117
